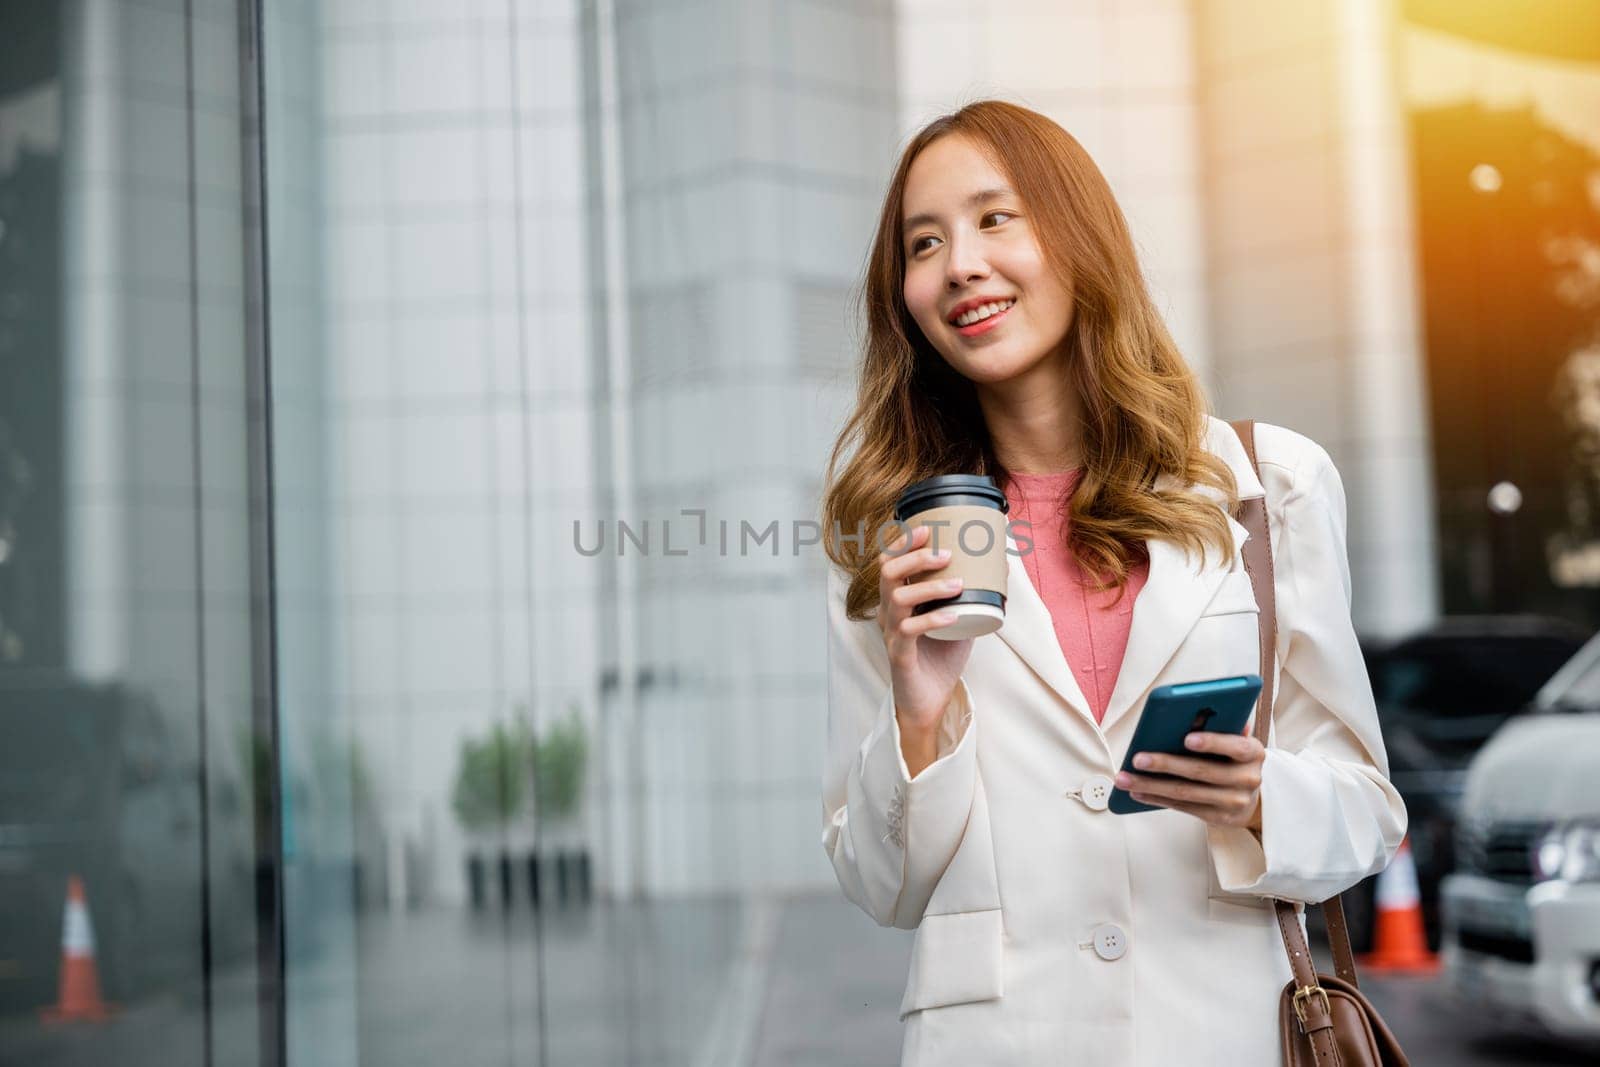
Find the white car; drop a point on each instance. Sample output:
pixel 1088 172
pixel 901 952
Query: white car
pixel 1521 913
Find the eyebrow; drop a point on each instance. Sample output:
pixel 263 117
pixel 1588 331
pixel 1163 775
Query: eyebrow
pixel 982 196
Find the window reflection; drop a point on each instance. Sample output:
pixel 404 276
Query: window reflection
pixel 130 776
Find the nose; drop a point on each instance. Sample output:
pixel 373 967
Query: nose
pixel 964 265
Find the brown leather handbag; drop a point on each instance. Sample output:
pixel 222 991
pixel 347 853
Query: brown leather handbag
pixel 1324 1019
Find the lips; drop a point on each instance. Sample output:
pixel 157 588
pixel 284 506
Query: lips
pixel 985 325
pixel 976 302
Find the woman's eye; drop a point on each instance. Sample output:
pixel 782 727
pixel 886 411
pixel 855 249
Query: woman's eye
pixel 916 246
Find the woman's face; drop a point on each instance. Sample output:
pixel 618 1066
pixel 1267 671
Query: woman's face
pixel 969 244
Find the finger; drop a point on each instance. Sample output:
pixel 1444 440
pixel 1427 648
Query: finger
pixel 1146 798
pixel 1239 747
pixel 916 625
pixel 894 548
pixel 1238 775
pixel 918 592
pixel 921 538
pixel 914 562
pixel 1181 789
pixel 1200 811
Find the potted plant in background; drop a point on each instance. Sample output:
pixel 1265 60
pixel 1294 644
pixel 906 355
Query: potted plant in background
pixel 559 759
pixel 490 785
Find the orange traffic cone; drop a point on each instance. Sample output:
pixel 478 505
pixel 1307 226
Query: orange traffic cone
pixel 80 980
pixel 1399 943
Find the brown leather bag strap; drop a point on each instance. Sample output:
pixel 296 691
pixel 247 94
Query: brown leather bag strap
pixel 1344 961
pixel 1257 552
pixel 1252 515
pixel 1311 1006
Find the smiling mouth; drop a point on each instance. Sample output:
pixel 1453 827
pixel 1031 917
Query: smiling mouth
pixel 982 319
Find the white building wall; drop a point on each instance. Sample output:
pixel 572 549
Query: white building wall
pixel 460 366
pixel 1119 75
pixel 1312 268
pixel 754 144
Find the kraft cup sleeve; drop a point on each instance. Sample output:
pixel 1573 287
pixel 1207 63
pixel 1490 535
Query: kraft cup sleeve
pixel 976 556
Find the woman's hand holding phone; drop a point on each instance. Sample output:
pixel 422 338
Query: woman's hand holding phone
pixel 923 670
pixel 1223 792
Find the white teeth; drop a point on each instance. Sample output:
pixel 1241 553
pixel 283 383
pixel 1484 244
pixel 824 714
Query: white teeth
pixel 978 314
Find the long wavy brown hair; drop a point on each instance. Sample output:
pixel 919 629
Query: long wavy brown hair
pixel 1143 412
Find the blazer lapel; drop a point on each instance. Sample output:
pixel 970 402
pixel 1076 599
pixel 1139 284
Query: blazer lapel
pixel 1175 594
pixel 1179 587
pixel 1171 602
pixel 1031 633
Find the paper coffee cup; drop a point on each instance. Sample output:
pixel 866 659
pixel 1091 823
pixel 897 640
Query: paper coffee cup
pixel 968 516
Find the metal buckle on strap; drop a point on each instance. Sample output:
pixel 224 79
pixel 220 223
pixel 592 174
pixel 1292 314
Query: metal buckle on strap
pixel 1304 993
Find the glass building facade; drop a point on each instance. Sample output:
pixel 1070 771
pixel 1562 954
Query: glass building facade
pixel 332 335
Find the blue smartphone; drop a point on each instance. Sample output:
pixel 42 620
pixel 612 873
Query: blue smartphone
pixel 1221 705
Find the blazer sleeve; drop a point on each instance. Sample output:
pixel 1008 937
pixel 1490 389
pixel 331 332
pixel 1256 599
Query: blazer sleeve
pixel 1330 817
pixel 889 836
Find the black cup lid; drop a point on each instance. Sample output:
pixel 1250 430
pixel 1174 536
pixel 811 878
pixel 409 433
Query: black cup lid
pixel 926 493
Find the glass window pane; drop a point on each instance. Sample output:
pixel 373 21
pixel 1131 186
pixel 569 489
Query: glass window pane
pixel 130 776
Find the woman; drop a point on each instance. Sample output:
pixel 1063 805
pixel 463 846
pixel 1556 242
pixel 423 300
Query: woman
pixel 1010 334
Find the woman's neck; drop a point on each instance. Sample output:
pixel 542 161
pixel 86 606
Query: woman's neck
pixel 1035 422
pixel 1046 479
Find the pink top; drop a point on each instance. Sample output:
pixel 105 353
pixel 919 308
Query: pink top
pixel 1093 633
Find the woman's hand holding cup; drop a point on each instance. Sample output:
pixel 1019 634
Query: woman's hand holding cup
pixel 923 671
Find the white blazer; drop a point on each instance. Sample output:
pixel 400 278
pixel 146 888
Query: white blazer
pixel 1051 931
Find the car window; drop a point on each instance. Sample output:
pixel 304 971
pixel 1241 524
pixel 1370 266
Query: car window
pixel 1466 676
pixel 1584 692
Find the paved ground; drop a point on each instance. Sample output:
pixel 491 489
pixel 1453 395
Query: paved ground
pixel 710 983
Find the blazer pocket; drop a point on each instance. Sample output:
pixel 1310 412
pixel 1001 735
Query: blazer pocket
pixel 1234 907
pixel 1235 594
pixel 1238 908
pixel 956 958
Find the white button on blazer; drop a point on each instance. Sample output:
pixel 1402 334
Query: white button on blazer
pixel 1006 871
